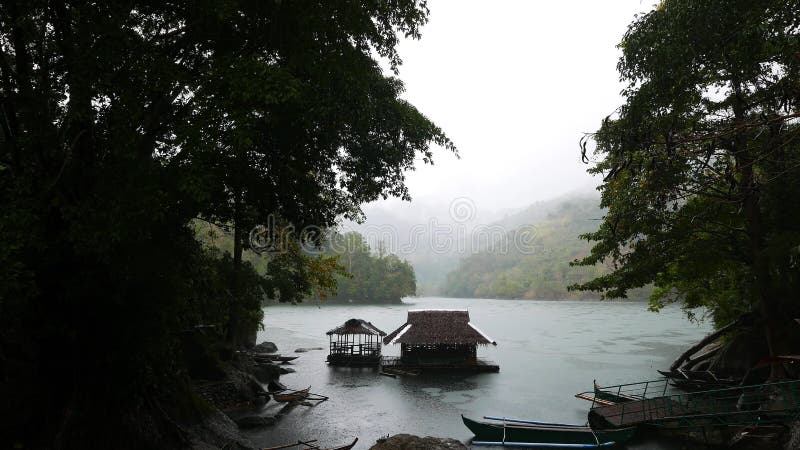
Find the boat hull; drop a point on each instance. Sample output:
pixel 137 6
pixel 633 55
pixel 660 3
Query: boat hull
pixel 546 434
pixel 610 396
pixel 291 396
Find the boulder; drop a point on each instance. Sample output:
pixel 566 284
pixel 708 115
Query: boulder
pixel 266 372
pixel 276 386
pixel 254 421
pixel 794 436
pixel 216 430
pixel 266 347
pixel 411 442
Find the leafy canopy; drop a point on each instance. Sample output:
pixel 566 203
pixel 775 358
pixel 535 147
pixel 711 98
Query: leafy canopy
pixel 122 122
pixel 701 163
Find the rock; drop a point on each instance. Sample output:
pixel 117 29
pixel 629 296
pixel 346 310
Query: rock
pixel 794 436
pixel 410 442
pixel 238 387
pixel 254 421
pixel 266 373
pixel 266 347
pixel 307 349
pixel 215 431
pixel 252 336
pixel 275 386
pixel 285 370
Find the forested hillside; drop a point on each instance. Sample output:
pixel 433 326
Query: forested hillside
pixel 346 270
pixel 532 261
pixel 367 276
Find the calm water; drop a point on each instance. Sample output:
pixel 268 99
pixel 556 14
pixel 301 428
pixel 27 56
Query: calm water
pixel 547 352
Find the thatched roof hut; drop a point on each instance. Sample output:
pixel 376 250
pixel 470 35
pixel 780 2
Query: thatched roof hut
pixel 356 326
pixel 355 343
pixel 437 327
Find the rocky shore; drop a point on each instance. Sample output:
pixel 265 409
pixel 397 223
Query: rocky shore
pixel 411 442
pixel 242 382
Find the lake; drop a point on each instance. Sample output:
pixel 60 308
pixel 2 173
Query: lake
pixel 547 351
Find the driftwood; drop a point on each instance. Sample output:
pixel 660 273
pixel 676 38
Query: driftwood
pixel 742 320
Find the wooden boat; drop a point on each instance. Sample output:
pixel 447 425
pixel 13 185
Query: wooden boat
pixel 285 358
pixel 521 433
pixel 273 357
pixel 346 447
pixel 610 396
pixel 291 396
pixel 309 445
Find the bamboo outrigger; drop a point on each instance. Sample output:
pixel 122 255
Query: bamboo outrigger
pixel 526 433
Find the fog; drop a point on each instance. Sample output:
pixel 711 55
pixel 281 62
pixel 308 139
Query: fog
pixel 514 84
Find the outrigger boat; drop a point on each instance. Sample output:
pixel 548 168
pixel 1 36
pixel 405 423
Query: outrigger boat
pixel 291 396
pixel 605 397
pixel 309 445
pixel 610 396
pixel 526 433
pixel 346 447
pixel 273 357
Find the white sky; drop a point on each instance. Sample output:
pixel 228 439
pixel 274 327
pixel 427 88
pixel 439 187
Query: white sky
pixel 514 84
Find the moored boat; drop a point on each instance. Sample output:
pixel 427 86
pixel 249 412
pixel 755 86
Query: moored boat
pixel 515 432
pixel 346 447
pixel 310 444
pixel 291 396
pixel 610 396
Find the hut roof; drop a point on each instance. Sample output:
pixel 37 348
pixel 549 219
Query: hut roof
pixel 438 326
pixel 356 326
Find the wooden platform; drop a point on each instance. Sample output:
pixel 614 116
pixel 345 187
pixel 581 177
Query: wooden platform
pixel 354 360
pixel 761 404
pixel 477 366
pixel 637 412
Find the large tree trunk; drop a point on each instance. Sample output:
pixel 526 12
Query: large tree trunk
pixel 233 317
pixel 748 191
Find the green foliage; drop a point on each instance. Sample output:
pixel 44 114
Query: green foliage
pixel 701 163
pixel 289 274
pixel 532 261
pixel 122 122
pixel 368 278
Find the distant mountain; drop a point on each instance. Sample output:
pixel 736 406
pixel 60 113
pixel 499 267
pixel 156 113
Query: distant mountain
pixel 431 235
pixel 531 260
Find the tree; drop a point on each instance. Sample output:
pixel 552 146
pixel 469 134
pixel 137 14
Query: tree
pixel 122 123
pixel 366 277
pixel 701 163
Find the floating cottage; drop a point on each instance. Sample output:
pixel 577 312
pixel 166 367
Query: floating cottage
pixel 355 343
pixel 439 340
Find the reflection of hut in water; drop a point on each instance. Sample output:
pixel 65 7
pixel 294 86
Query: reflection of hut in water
pixel 439 340
pixel 355 343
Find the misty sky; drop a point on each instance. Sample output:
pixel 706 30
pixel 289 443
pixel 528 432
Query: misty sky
pixel 514 84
